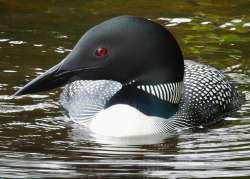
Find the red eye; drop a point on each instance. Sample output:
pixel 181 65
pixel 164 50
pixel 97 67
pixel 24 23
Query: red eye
pixel 101 52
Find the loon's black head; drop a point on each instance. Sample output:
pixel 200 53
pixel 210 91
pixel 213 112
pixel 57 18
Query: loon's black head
pixel 122 49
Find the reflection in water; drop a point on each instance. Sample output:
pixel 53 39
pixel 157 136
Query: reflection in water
pixel 81 133
pixel 37 141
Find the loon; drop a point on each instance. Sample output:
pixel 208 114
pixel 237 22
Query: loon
pixel 127 77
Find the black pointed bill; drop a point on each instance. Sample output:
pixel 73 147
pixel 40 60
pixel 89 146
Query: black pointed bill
pixel 53 78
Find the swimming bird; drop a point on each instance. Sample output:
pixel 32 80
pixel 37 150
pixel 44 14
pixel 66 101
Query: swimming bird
pixel 127 77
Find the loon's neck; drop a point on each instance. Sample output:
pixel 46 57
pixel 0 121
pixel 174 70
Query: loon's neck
pixel 84 99
pixel 160 99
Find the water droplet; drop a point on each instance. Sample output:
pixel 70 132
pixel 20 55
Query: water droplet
pixel 38 45
pixel 246 24
pixel 227 24
pixel 236 21
pixel 4 40
pixel 17 42
pixel 9 71
pixel 205 23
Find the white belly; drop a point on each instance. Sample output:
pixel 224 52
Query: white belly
pixel 125 121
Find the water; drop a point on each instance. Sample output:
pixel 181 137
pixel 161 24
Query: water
pixel 37 141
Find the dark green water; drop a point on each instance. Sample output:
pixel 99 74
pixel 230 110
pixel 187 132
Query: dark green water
pixel 37 141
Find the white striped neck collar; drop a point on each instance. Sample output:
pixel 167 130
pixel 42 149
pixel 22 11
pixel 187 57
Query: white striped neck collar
pixel 170 92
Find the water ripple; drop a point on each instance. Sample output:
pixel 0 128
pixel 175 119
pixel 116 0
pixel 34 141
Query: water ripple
pixel 16 109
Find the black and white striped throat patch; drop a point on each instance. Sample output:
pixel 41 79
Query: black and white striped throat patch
pixel 170 92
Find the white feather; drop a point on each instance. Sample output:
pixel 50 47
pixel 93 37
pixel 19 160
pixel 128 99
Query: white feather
pixel 125 121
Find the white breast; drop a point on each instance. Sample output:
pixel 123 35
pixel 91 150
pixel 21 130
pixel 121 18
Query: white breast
pixel 85 102
pixel 125 121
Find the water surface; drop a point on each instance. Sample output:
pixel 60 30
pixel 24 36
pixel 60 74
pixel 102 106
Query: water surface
pixel 37 141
